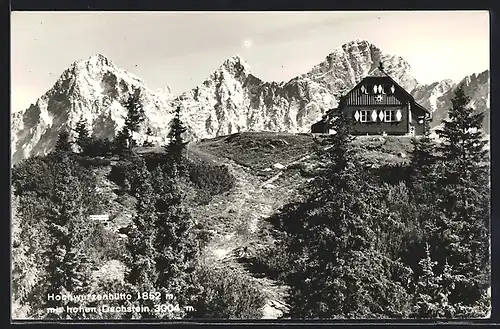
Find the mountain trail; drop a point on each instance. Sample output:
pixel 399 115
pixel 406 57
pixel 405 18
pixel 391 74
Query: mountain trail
pixel 250 203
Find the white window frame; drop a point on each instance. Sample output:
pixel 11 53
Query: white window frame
pixel 390 116
pixel 367 117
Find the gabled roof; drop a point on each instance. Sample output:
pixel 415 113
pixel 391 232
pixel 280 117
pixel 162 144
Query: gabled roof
pixel 378 75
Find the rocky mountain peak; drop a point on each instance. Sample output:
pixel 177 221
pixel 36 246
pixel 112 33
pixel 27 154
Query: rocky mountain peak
pixel 236 65
pixel 164 93
pixel 229 100
pixel 358 43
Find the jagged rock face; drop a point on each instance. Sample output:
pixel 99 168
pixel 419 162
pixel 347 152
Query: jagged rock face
pixel 437 96
pixel 93 89
pixel 230 100
pixel 348 64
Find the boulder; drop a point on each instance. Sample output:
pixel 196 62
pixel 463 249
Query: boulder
pixel 278 166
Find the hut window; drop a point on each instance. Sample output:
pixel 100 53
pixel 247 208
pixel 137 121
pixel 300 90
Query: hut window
pixel 390 116
pixel 364 115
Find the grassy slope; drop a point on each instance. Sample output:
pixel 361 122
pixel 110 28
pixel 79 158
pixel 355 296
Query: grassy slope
pixel 262 189
pixel 237 217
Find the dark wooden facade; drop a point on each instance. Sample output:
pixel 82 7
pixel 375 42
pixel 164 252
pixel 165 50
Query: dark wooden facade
pixel 378 105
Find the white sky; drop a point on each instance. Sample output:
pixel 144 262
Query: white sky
pixel 181 49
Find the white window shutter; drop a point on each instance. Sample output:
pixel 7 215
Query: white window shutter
pixel 398 115
pixel 374 116
pixel 356 115
pixel 381 115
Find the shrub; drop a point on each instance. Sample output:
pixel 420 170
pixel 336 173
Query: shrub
pixel 274 262
pixel 94 162
pixel 227 294
pixel 34 175
pixel 124 174
pixel 393 173
pixel 210 179
pixel 103 245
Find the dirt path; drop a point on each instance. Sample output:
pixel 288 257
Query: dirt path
pixel 249 203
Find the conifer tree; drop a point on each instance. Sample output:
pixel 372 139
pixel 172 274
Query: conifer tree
pixel 83 138
pixel 176 241
pixel 422 182
pixel 122 140
pixel 63 144
pixel 331 237
pixel 141 237
pixel 135 116
pixel 433 289
pixel 26 271
pixel 68 270
pixel 135 112
pixel 423 160
pixel 461 232
pixel 176 145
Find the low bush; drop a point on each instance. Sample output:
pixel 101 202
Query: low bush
pixel 93 162
pixel 210 179
pixel 273 262
pixel 227 294
pixel 98 147
pixel 104 245
pixel 124 174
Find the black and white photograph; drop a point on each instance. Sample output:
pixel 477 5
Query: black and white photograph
pixel 248 165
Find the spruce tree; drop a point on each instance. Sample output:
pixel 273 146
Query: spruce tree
pixel 141 238
pixel 176 145
pixel 432 289
pixel 122 140
pixel 68 270
pixel 336 273
pixel 461 232
pixel 422 183
pixel 135 111
pixel 26 269
pixel 63 144
pixel 83 139
pixel 423 161
pixel 135 116
pixel 176 241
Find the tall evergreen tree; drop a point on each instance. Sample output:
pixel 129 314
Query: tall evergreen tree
pixel 68 269
pixel 141 238
pixel 176 240
pixel 135 111
pixel 63 144
pixel 176 145
pixel 433 289
pixel 336 273
pixel 122 140
pixel 422 182
pixel 423 160
pixel 135 116
pixel 461 232
pixel 83 139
